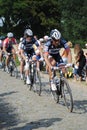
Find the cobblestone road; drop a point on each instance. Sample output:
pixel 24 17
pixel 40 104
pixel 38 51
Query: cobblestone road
pixel 21 109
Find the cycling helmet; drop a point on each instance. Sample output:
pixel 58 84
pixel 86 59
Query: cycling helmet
pixel 41 40
pixel 0 43
pixel 10 35
pixel 28 32
pixel 86 45
pixel 55 34
pixel 21 39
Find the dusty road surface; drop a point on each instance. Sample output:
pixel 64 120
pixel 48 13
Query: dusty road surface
pixel 21 109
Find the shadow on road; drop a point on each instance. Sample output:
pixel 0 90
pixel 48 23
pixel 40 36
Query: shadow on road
pixel 80 106
pixel 43 123
pixel 7 116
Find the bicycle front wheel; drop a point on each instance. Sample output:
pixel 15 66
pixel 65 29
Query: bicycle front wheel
pixel 55 95
pixel 67 94
pixel 37 85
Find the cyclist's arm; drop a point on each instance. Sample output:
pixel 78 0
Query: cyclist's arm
pixel 69 55
pixel 15 45
pixel 46 59
pixel 39 47
pixel 68 50
pixel 46 54
pixel 41 52
pixel 4 47
pixel 22 54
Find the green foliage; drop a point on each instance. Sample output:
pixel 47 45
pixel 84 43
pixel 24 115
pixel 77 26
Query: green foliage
pixel 17 61
pixel 79 41
pixel 69 16
pixel 74 19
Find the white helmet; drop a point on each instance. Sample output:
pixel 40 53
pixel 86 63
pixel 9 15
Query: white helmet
pixel 10 35
pixel 55 34
pixel 41 40
pixel 86 45
pixel 28 32
pixel 21 39
pixel 0 43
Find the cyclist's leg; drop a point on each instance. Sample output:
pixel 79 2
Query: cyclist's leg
pixel 8 49
pixel 14 53
pixel 53 63
pixel 27 72
pixel 38 62
pixel 1 54
pixel 21 64
pixel 86 73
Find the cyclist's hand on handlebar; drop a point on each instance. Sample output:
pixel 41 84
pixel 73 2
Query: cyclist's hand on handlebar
pixel 69 65
pixel 8 54
pixel 41 59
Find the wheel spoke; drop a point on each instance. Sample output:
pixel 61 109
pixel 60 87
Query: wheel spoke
pixel 67 95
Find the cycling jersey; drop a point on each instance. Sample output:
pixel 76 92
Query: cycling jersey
pixel 8 44
pixel 28 46
pixel 54 50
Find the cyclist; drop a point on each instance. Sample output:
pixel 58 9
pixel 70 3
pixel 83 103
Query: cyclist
pixel 27 51
pixel 52 54
pixel 20 58
pixel 8 47
pixel 1 52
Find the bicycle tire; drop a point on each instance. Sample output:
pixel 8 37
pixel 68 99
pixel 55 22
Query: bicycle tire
pixel 67 94
pixel 12 68
pixel 55 94
pixel 3 63
pixel 32 80
pixel 37 85
pixel 15 70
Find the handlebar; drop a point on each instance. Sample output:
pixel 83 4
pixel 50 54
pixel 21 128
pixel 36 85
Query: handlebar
pixel 61 65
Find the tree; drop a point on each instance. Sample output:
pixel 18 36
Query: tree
pixel 41 16
pixel 69 16
pixel 73 19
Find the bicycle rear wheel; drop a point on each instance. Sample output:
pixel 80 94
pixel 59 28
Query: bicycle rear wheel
pixel 3 63
pixel 67 95
pixel 13 68
pixel 37 85
pixel 15 72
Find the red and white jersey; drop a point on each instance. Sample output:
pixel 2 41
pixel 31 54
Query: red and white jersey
pixel 8 42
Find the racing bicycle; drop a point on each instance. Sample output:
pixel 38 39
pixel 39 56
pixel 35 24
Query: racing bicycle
pixel 35 77
pixel 63 89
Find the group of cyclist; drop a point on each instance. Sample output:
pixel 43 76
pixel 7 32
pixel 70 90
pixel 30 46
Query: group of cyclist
pixel 30 48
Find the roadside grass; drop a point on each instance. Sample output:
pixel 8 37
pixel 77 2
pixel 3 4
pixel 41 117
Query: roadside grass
pixel 17 61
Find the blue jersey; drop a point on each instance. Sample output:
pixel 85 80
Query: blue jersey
pixel 28 46
pixel 54 50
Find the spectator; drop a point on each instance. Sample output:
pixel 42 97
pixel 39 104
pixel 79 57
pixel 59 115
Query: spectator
pixel 80 60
